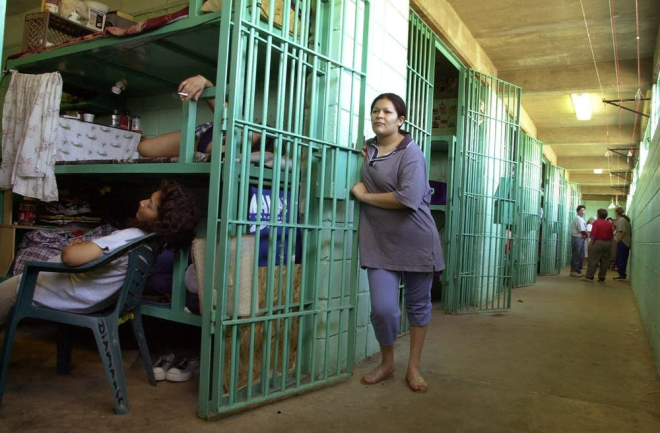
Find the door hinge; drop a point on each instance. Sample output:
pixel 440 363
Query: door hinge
pixel 213 321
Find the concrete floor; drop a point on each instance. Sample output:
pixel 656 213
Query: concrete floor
pixel 568 357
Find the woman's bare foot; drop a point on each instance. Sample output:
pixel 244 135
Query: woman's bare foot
pixel 383 372
pixel 415 381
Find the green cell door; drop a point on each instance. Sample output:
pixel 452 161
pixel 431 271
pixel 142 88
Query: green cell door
pixel 484 205
pixel 281 251
pixel 529 204
pixel 419 100
pixel 553 223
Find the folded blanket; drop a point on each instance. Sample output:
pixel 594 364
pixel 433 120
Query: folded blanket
pixel 149 24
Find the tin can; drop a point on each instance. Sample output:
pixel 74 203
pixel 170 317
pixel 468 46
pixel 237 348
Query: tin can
pixel 115 119
pixel 135 123
pixel 27 211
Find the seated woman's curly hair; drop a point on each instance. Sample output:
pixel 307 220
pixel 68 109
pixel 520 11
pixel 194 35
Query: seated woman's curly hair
pixel 177 216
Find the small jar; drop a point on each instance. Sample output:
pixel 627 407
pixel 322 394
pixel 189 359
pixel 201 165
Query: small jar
pixel 51 6
pixel 27 211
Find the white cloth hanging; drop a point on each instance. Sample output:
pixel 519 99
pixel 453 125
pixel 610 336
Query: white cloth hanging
pixel 29 130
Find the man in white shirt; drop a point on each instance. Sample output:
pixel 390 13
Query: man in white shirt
pixel 578 234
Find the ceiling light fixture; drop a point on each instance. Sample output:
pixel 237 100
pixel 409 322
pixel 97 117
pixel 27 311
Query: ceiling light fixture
pixel 607 154
pixel 582 105
pixel 612 205
pixel 598 171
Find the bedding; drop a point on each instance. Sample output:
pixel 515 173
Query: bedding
pixel 78 140
pixel 142 26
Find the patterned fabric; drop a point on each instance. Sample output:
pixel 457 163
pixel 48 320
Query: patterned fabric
pixel 78 140
pixel 198 157
pixel 29 131
pixel 41 245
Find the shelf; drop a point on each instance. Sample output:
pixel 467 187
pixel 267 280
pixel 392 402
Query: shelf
pixel 40 227
pixel 162 168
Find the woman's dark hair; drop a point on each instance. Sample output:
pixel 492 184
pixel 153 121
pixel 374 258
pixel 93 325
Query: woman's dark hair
pixel 602 214
pixel 177 216
pixel 619 211
pixel 399 105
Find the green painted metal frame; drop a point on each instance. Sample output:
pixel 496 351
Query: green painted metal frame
pixel 573 199
pixel 552 227
pixel 419 101
pixel 529 210
pixel 483 222
pixel 423 47
pixel 306 342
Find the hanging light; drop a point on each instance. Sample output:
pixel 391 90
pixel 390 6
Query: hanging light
pixel 607 154
pixel 582 105
pixel 612 205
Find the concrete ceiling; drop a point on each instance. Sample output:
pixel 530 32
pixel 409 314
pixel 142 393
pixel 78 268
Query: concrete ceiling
pixel 543 46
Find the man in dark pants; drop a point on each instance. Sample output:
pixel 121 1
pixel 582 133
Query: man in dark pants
pixel 578 234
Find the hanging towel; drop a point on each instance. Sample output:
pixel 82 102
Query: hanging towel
pixel 29 130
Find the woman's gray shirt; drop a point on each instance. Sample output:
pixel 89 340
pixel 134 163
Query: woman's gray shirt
pixel 399 239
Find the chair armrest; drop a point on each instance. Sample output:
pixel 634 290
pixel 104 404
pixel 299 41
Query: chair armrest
pixel 32 268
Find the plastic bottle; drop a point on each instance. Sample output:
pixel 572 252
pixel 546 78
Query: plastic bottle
pixel 124 121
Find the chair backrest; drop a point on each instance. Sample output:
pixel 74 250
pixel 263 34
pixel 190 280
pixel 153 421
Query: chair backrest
pixel 140 259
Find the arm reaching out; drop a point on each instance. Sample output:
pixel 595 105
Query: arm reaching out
pixel 193 87
pixel 79 252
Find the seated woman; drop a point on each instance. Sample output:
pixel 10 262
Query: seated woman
pixel 168 144
pixel 170 212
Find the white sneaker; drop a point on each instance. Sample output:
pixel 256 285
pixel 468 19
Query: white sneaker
pixel 575 274
pixel 184 370
pixel 162 366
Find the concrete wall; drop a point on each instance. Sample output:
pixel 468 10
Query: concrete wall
pixel 644 264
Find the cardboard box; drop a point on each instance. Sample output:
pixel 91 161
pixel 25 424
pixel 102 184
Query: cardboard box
pixel 96 20
pixel 118 19
pixel 278 14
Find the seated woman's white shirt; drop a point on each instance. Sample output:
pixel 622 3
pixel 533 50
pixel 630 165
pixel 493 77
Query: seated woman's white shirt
pixel 87 291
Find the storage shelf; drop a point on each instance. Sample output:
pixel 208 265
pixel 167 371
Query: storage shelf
pixel 164 168
pixel 40 227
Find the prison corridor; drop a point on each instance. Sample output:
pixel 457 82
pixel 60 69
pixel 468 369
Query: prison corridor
pixel 568 356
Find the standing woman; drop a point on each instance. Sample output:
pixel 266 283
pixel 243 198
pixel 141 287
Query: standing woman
pixel 398 237
pixel 623 240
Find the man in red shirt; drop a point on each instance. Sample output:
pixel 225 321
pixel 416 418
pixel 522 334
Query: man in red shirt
pixel 600 247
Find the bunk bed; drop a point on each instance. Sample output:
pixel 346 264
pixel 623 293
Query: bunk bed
pixel 311 173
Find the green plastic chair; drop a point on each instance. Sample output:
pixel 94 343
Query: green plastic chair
pixel 141 256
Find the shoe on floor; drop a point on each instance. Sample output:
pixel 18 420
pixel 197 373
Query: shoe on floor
pixel 575 274
pixel 588 280
pixel 601 280
pixel 162 366
pixel 619 278
pixel 183 370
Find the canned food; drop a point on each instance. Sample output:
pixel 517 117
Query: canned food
pixel 135 123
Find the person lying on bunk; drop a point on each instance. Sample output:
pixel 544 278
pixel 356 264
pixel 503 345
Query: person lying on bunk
pixel 168 144
pixel 170 212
